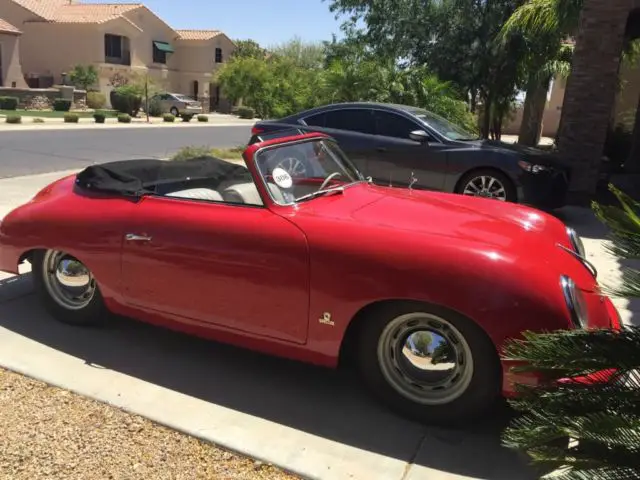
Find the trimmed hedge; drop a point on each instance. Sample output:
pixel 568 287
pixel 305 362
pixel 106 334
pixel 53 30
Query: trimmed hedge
pixel 124 118
pixel 203 118
pixel 168 117
pixel 71 118
pixel 99 117
pixel 246 112
pixel 61 105
pixel 9 103
pixel 13 119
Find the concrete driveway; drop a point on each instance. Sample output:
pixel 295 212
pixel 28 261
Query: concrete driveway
pixel 314 422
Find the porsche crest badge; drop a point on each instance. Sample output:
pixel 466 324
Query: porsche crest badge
pixel 326 319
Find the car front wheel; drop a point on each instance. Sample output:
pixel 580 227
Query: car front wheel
pixel 428 363
pixel 488 184
pixel 68 289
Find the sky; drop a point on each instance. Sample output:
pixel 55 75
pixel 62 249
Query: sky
pixel 269 22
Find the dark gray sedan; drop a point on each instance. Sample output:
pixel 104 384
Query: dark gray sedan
pixel 401 145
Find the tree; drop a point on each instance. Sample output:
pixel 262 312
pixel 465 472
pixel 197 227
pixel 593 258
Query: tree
pixel 300 53
pixel 456 39
pixel 248 49
pixel 84 76
pixel 602 418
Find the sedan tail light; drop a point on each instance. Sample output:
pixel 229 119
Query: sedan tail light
pixel 256 130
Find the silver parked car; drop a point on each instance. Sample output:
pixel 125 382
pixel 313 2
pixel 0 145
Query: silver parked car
pixel 177 104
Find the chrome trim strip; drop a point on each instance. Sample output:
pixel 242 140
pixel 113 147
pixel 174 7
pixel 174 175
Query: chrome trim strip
pixel 587 264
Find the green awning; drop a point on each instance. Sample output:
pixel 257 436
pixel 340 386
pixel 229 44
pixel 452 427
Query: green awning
pixel 163 47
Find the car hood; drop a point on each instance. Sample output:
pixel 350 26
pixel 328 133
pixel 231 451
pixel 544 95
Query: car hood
pixel 531 154
pixel 486 221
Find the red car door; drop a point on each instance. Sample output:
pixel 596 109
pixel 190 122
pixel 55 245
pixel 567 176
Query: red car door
pixel 238 266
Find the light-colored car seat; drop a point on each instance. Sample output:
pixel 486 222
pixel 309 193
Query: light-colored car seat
pixel 198 194
pixel 248 193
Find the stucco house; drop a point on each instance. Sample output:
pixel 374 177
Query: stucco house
pixel 10 68
pixel 119 40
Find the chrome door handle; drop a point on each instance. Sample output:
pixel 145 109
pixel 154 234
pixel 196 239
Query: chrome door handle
pixel 132 237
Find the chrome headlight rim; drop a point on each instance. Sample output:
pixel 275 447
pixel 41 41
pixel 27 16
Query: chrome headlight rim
pixel 576 242
pixel 575 301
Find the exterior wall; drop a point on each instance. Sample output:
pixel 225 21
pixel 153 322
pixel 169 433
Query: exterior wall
pixel 46 48
pixel 153 29
pixel 11 68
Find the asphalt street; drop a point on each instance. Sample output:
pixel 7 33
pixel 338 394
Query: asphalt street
pixel 30 152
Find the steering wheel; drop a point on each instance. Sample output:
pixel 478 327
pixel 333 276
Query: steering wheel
pixel 328 179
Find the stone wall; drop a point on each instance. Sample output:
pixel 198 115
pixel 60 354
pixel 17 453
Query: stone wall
pixel 42 98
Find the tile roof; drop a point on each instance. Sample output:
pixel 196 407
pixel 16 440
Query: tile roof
pixel 6 27
pixel 42 8
pixel 92 13
pixel 198 34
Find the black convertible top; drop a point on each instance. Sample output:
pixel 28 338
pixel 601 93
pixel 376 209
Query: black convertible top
pixel 142 176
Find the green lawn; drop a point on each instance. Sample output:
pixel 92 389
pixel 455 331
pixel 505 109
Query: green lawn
pixel 50 113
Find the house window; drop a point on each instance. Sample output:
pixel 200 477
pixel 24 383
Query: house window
pixel 218 55
pixel 160 50
pixel 116 49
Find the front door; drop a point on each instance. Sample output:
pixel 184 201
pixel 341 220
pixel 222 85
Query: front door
pixel 209 262
pixel 400 159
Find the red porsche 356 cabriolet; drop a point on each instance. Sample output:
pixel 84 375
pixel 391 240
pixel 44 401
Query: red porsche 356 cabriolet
pixel 293 253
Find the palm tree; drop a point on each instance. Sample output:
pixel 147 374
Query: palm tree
pixel 545 25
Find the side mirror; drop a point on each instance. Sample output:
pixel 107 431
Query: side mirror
pixel 419 136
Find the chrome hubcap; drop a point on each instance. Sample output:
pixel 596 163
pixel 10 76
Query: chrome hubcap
pixel 486 186
pixel 425 359
pixel 294 166
pixel 67 280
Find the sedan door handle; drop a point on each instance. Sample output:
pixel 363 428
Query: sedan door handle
pixel 132 237
pixel 381 149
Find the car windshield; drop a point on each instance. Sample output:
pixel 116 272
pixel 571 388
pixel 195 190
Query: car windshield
pixel 183 98
pixel 305 170
pixel 443 126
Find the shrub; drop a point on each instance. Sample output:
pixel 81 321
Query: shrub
pixel 71 118
pixel 99 117
pixel 37 120
pixel 186 117
pixel 61 105
pixel 187 153
pixel 96 100
pixel 13 119
pixel 246 112
pixel 9 103
pixel 155 108
pixel 124 118
pixel 203 118
pixel 126 99
pixel 168 117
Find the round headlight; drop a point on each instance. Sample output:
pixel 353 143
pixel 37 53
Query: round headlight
pixel 576 242
pixel 575 301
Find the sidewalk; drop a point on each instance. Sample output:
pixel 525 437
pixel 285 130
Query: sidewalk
pixel 215 119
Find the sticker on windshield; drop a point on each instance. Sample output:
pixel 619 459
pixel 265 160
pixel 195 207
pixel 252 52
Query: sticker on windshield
pixel 282 178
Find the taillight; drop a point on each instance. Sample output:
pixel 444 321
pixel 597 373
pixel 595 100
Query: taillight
pixel 256 130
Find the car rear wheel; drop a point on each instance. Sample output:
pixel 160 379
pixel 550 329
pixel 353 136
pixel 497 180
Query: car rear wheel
pixel 174 111
pixel 428 363
pixel 68 289
pixel 488 184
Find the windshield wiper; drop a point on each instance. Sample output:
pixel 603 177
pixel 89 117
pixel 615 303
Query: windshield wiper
pixel 319 193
